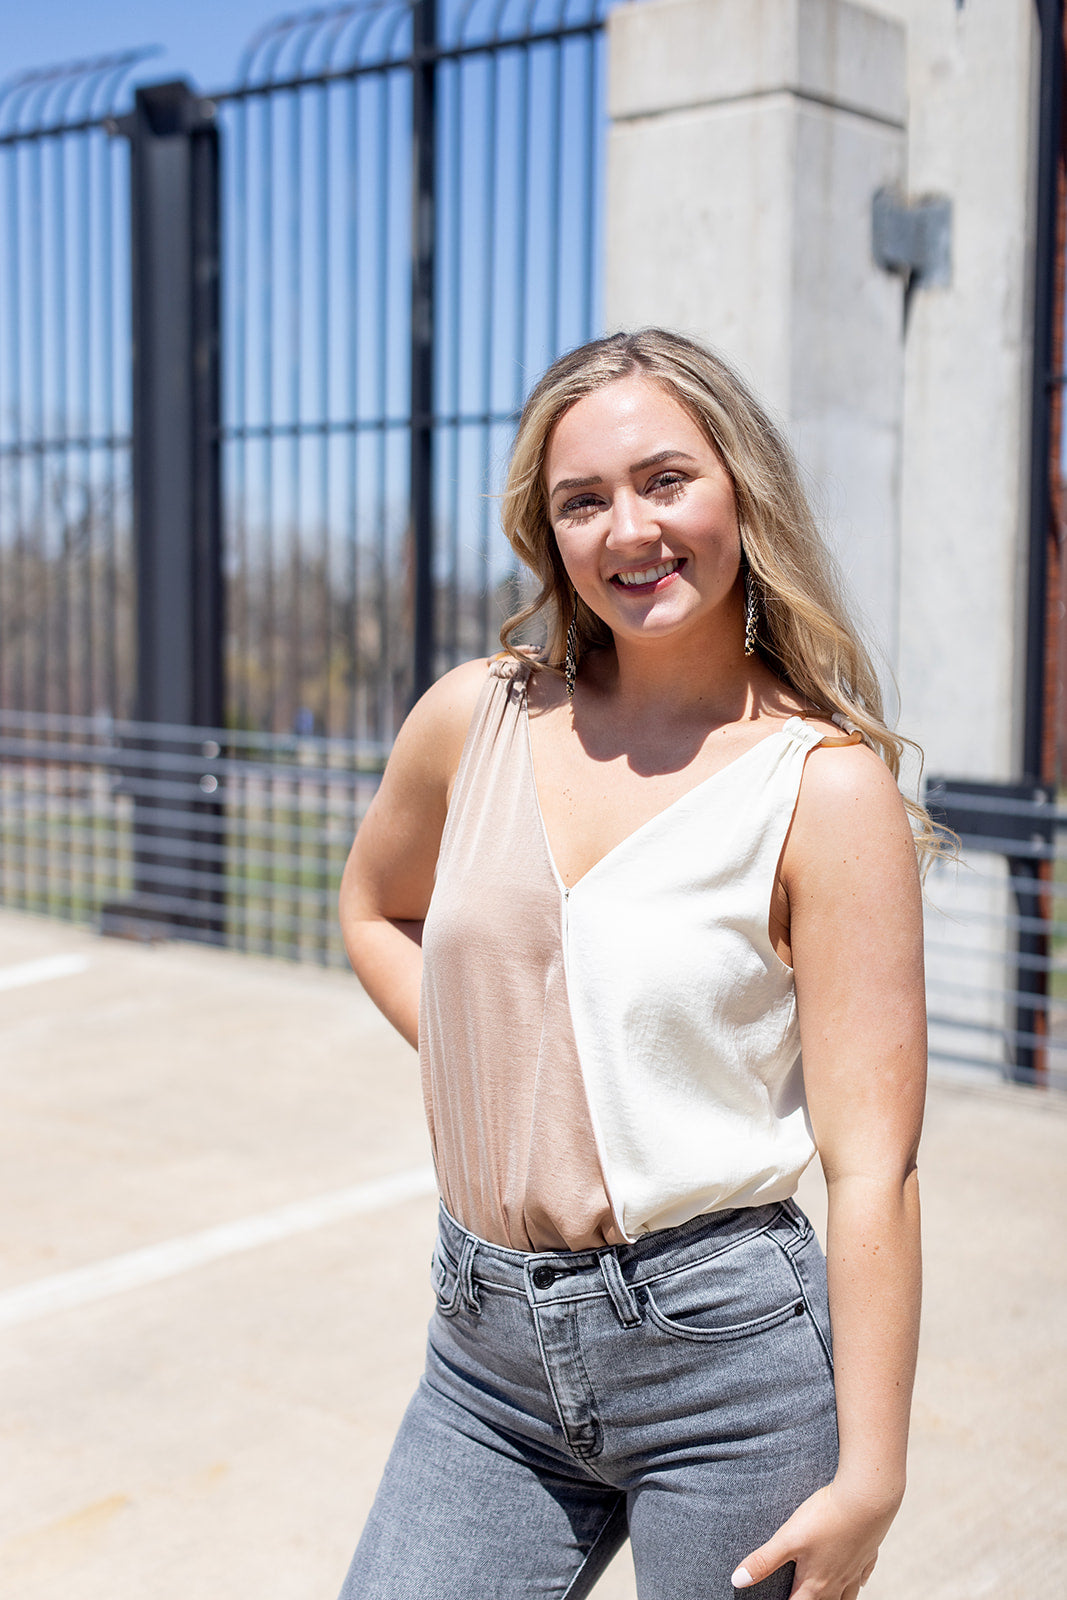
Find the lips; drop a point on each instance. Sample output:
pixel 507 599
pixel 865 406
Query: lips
pixel 647 575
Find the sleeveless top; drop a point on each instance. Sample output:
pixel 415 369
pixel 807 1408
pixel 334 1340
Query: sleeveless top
pixel 618 1057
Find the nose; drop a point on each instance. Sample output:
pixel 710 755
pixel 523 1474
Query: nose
pixel 633 525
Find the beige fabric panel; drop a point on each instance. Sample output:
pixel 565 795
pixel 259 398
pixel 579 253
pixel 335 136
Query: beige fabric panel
pixel 509 1121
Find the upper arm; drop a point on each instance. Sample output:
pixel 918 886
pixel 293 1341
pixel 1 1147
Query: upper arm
pixel 390 869
pixel 855 906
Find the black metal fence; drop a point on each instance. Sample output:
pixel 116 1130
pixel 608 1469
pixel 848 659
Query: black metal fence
pixel 261 354
pixel 66 579
pixel 150 831
pixel 411 233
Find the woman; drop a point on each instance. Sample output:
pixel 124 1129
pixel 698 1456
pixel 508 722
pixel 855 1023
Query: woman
pixel 650 867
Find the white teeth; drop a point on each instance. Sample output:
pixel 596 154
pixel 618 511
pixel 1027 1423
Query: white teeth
pixel 633 578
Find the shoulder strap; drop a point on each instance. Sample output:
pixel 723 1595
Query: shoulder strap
pixel 506 666
pixel 810 737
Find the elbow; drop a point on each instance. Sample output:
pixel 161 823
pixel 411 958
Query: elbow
pixel 887 1176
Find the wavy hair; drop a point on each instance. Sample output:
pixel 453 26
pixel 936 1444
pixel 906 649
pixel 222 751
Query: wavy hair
pixel 805 635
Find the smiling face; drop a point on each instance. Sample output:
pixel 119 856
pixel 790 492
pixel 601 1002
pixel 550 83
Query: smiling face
pixel 644 515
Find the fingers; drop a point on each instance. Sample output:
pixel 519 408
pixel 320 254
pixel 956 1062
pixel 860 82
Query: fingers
pixel 772 1555
pixel 762 1562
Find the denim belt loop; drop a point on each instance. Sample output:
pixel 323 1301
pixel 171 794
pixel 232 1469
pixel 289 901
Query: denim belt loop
pixel 466 1274
pixel 619 1291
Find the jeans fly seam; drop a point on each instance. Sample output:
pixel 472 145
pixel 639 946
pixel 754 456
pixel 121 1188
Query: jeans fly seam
pixel 598 1437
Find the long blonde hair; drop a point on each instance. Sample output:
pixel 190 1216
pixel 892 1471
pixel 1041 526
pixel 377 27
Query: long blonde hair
pixel 804 633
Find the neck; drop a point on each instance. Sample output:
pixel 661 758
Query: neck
pixel 681 680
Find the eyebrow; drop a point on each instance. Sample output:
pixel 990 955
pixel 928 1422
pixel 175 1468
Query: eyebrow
pixel 637 466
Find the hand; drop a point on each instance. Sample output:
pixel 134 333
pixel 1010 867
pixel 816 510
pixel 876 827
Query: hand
pixel 833 1537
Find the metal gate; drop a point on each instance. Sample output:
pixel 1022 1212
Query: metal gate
pixel 405 232
pixel 261 353
pixel 368 403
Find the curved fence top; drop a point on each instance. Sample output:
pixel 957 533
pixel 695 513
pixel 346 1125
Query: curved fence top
pixel 338 39
pixel 70 95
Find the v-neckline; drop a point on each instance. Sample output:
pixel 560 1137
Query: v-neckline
pixel 567 889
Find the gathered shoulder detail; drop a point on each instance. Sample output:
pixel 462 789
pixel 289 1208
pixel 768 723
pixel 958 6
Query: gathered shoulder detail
pixel 851 734
pixel 506 666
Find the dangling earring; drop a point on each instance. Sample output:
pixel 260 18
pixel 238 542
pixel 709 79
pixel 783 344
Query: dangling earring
pixel 751 613
pixel 570 665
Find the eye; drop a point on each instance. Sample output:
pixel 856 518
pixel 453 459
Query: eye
pixel 667 485
pixel 579 509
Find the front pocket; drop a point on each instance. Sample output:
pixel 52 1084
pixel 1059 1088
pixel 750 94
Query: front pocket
pixel 727 1296
pixel 698 1327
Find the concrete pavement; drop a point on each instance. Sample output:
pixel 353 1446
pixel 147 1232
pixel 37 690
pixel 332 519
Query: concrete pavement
pixel 213 1289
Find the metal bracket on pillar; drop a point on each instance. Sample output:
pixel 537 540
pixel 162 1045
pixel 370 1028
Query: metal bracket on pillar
pixel 174 219
pixel 913 238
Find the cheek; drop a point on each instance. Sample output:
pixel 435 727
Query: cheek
pixel 578 555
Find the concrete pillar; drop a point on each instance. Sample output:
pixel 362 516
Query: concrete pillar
pixel 964 490
pixel 747 140
pixel 972 95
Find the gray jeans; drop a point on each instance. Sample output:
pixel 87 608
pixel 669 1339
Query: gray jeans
pixel 678 1389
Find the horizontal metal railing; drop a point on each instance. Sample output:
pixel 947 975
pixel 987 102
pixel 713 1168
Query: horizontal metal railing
pixel 226 837
pixel 996 933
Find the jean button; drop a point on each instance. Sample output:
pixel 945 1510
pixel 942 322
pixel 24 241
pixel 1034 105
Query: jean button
pixel 543 1277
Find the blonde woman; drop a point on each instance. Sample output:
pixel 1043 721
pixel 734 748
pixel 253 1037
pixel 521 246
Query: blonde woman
pixel 610 890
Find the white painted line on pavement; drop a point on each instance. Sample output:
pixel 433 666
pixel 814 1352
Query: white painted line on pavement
pixel 25 972
pixel 83 1285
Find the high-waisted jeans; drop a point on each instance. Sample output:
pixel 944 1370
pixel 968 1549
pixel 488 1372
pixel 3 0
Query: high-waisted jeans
pixel 678 1389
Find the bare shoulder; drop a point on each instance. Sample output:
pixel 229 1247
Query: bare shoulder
pixel 445 710
pixel 430 742
pixel 455 693
pixel 849 813
pixel 837 774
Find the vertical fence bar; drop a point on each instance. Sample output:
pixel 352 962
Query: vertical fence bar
pixel 1031 976
pixel 384 699
pixel 451 204
pixel 486 394
pixel 423 232
pixel 355 716
pixel 109 420
pixel 35 371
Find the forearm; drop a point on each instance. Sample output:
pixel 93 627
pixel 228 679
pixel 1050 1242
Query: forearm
pixel 386 957
pixel 873 1265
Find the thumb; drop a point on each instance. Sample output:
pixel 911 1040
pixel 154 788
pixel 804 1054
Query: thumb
pixel 762 1562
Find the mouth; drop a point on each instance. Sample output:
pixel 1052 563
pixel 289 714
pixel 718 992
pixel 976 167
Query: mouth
pixel 647 579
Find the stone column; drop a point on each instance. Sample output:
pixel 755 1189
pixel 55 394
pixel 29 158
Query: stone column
pixel 747 140
pixel 971 131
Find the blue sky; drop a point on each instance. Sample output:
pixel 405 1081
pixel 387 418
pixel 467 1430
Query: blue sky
pixel 203 39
